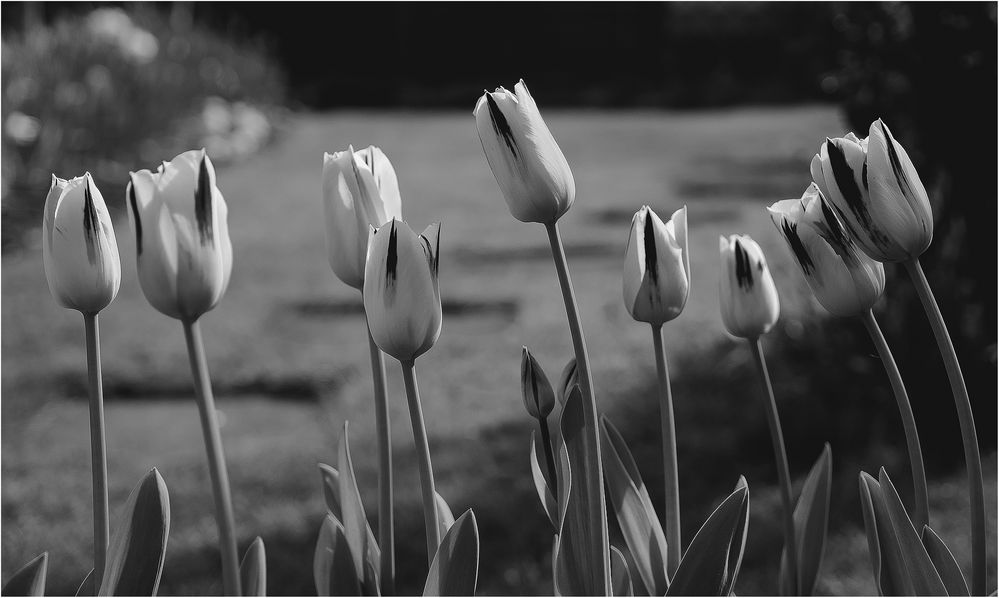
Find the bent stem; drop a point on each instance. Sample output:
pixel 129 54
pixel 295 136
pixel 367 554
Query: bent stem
pixel 965 417
pixel 593 475
pixel 780 454
pixel 423 459
pixel 921 513
pixel 670 477
pixel 216 458
pixel 386 525
pixel 98 450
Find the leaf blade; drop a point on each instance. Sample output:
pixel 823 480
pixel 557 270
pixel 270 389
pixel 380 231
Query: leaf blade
pixel 138 546
pixel 811 522
pixel 253 570
pixel 455 569
pixel 29 580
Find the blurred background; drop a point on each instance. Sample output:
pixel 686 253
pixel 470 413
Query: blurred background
pixel 716 106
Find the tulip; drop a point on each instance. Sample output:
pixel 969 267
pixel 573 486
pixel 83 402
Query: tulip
pixel 525 159
pixel 360 190
pixel 539 396
pixel 78 246
pixel 749 302
pixel 876 192
pixel 845 281
pixel 179 218
pixel 656 267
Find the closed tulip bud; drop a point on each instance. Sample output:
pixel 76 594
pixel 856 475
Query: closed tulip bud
pixel 401 293
pixel 844 280
pixel 180 221
pixel 360 190
pixel 567 381
pixel 525 159
pixel 539 397
pixel 749 302
pixel 656 267
pixel 78 246
pixel 876 193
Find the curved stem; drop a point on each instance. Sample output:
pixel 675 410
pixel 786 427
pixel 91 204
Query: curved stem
pixel 386 520
pixel 594 475
pixel 423 459
pixel 921 514
pixel 670 475
pixel 216 458
pixel 965 417
pixel 780 454
pixel 98 449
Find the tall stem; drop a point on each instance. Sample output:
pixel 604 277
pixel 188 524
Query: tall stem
pixel 216 458
pixel 98 459
pixel 921 514
pixel 423 459
pixel 594 475
pixel 780 454
pixel 965 417
pixel 386 522
pixel 670 475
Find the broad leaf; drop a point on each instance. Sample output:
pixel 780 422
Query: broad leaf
pixel 541 485
pixel 811 521
pixel 945 563
pixel 253 570
pixel 138 545
pixel 620 578
pixel 333 565
pixel 355 523
pixel 925 579
pixel 455 569
pixel 711 563
pixel 886 560
pixel 635 515
pixel 29 580
pixel 445 518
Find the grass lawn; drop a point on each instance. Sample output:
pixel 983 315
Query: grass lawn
pixel 289 358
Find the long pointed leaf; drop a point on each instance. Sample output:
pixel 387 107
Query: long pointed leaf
pixel 890 574
pixel 29 580
pixel 541 485
pixel 445 518
pixel 635 515
pixel 253 570
pixel 138 545
pixel 331 495
pixel 811 520
pixel 620 578
pixel 925 579
pixel 455 569
pixel 737 549
pixel 946 564
pixel 355 523
pixel 333 565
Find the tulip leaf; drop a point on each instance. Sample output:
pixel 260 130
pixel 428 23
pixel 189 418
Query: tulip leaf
pixel 87 585
pixel 945 563
pixel 333 565
pixel 541 484
pixel 445 518
pixel 355 524
pixel 635 515
pixel 455 569
pixel 138 545
pixel 620 578
pixel 29 580
pixel 331 489
pixel 886 562
pixel 253 570
pixel 811 521
pixel 925 578
pixel 711 563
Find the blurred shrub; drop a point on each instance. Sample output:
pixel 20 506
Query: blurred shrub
pixel 111 91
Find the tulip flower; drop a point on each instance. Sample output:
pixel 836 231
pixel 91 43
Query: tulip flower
pixel 656 267
pixel 83 270
pixel 749 302
pixel 539 399
pixel 360 190
pixel 184 257
pixel 78 246
pixel 877 193
pixel 528 165
pixel 845 281
pixel 179 218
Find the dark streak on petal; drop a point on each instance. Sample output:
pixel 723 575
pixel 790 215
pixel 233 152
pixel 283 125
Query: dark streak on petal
pixel 500 124
pixel 834 231
pixel 203 202
pixel 896 162
pixel 133 202
pixel 392 258
pixel 847 184
pixel 790 232
pixel 651 257
pixel 90 224
pixel 743 271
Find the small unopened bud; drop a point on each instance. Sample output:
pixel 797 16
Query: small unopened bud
pixel 539 398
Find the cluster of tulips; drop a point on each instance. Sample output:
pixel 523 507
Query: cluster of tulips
pixel 865 206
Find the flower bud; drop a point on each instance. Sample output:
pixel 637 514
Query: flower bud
pixel 78 246
pixel 656 267
pixel 360 190
pixel 844 280
pixel 401 293
pixel 749 302
pixel 567 381
pixel 525 159
pixel 539 397
pixel 180 222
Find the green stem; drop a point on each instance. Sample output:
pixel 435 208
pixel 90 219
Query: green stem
pixel 546 441
pixel 216 458
pixel 386 522
pixel 423 459
pixel 921 513
pixel 965 417
pixel 98 450
pixel 670 477
pixel 593 475
pixel 780 454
